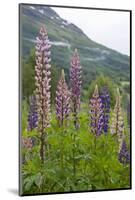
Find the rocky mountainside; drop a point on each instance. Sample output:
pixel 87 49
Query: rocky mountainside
pixel 65 37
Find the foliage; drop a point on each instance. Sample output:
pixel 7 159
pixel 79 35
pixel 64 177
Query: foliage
pixel 28 75
pixel 97 164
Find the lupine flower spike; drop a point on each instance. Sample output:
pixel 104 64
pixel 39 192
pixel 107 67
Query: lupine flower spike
pixel 105 98
pixel 96 113
pixel 124 156
pixel 75 79
pixel 117 126
pixel 42 80
pixel 32 115
pixel 62 101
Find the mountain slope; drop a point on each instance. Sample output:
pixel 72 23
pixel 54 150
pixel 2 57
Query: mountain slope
pixel 65 37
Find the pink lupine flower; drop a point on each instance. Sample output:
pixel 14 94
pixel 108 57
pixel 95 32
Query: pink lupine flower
pixel 117 126
pixel 42 81
pixel 62 100
pixel 75 80
pixel 96 113
pixel 27 143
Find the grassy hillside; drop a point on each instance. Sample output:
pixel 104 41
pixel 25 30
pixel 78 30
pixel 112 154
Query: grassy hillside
pixel 65 37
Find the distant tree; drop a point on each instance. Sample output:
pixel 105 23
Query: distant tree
pixel 28 75
pixel 55 74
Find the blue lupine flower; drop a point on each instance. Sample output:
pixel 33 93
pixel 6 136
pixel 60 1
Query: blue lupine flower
pixel 124 155
pixel 105 98
pixel 32 115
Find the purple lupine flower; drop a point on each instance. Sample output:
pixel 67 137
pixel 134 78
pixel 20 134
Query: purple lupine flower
pixel 96 113
pixel 42 79
pixel 75 79
pixel 117 126
pixel 62 100
pixel 32 115
pixel 105 98
pixel 124 155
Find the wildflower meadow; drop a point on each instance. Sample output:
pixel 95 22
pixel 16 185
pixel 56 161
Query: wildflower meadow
pixel 72 139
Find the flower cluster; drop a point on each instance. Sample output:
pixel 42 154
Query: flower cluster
pixel 62 100
pixel 75 79
pixel 117 126
pixel 42 79
pixel 27 143
pixel 124 156
pixel 32 115
pixel 96 113
pixel 105 98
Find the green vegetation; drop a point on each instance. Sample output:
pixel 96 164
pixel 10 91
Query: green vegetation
pixel 95 157
pixel 97 165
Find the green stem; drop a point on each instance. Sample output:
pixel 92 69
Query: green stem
pixel 61 151
pixel 74 137
pixel 74 146
pixel 95 143
pixel 74 162
pixel 42 147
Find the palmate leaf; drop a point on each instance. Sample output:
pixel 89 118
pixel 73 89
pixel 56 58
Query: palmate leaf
pixel 28 185
pixel 33 180
pixel 38 180
pixel 32 133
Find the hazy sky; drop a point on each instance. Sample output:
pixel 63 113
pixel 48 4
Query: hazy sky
pixel 110 28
